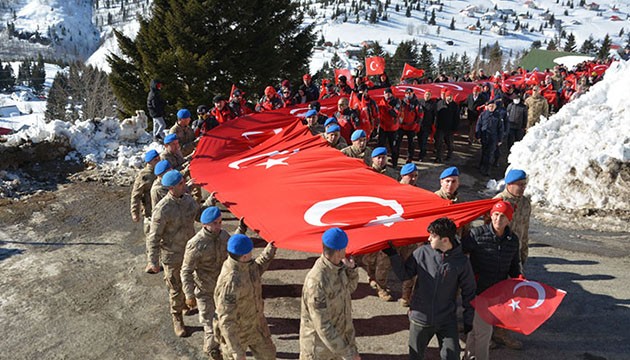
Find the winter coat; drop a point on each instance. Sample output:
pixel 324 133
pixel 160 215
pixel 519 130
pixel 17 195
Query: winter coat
pixel 172 225
pixel 240 318
pixel 353 152
pixel 439 276
pixel 429 110
pixel 175 159
pixel 158 192
pixel 389 111
pixel 517 115
pixel 222 115
pixel 493 258
pixel 411 114
pixel 311 92
pixel 536 106
pixel 447 116
pixel 155 103
pixel 473 106
pixel 326 329
pixel 348 121
pixel 203 259
pixel 490 126
pixel 141 193
pixel 186 138
pixel 387 171
pixel 522 213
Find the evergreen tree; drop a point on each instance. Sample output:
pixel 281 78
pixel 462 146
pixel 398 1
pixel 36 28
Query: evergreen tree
pixel 495 56
pixel 425 60
pixel 24 73
pixel 570 45
pixel 57 98
pixel 373 17
pixel 432 19
pixel 588 47
pixel 198 48
pixel 408 12
pixel 406 52
pixel 604 49
pixel 464 64
pixel 336 62
pixel 38 74
pixel 326 72
pixel 536 44
pixel 452 26
pixel 552 45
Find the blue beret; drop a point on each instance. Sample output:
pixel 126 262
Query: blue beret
pixel 515 175
pixel 150 155
pixel 239 244
pixel 408 169
pixel 210 214
pixel 183 114
pixel 310 113
pixel 170 138
pixel 357 134
pixel 172 178
pixel 379 151
pixel 161 167
pixel 452 171
pixel 335 238
pixel 333 128
pixel 331 120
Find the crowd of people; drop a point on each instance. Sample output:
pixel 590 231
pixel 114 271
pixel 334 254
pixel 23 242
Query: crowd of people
pixel 215 273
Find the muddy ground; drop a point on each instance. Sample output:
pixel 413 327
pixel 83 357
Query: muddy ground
pixel 72 285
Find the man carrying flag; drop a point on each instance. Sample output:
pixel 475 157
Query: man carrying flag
pixel 494 255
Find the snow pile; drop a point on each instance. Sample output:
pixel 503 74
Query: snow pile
pixel 102 142
pixel 579 158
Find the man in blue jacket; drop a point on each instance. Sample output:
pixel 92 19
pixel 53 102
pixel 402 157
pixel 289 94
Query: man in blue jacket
pixel 490 131
pixel 441 268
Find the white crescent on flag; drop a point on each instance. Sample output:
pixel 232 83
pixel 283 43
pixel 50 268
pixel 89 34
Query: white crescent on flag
pixel 316 212
pixel 536 286
pixel 372 65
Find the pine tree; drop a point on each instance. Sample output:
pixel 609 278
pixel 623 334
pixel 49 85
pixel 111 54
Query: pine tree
pixel 425 60
pixel 198 48
pixel 570 45
pixel 464 64
pixel 552 45
pixel 336 62
pixel 452 26
pixel 38 74
pixel 406 52
pixel 24 73
pixel 57 98
pixel 495 56
pixel 604 49
pixel 373 17
pixel 408 12
pixel 432 19
pixel 588 47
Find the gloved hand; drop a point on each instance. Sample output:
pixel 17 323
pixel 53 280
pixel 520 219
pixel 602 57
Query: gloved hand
pixel 389 250
pixel 242 227
pixel 467 328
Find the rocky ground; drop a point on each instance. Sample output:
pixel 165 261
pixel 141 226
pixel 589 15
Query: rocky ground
pixel 72 284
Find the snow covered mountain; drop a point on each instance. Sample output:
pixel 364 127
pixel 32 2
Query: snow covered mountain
pixel 83 29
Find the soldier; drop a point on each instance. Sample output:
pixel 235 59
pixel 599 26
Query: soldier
pixel 408 176
pixel 141 191
pixel 537 105
pixel 311 122
pixel 240 322
pixel 379 163
pixel 515 184
pixel 333 137
pixel 159 191
pixel 203 258
pixel 185 135
pixel 172 224
pixel 449 183
pixel 359 148
pixel 326 329
pixel 173 152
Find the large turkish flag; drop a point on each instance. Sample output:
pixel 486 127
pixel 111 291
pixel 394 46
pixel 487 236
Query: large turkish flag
pixel 292 187
pixel 411 72
pixel 374 65
pixel 518 304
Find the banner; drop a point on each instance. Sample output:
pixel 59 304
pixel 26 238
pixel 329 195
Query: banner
pixel 374 65
pixel 411 72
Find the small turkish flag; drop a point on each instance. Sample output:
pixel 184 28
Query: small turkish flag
pixel 411 72
pixel 375 65
pixel 518 304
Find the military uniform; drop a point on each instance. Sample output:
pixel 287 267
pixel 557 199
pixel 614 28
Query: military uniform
pixel 141 196
pixel 158 192
pixel 537 105
pixel 353 152
pixel 520 222
pixel 240 321
pixel 326 329
pixel 172 225
pixel 387 171
pixel 340 145
pixel 176 160
pixel 186 137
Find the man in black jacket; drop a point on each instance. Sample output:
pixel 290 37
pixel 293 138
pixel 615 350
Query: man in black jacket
pixel 156 105
pixel 441 268
pixel 446 123
pixel 494 255
pixel 517 119
pixel 429 110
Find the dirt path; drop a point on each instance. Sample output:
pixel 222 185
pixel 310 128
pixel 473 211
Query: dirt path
pixel 72 286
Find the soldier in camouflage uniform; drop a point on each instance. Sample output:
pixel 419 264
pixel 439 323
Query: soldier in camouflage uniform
pixel 172 224
pixel 359 148
pixel 326 329
pixel 240 321
pixel 185 134
pixel 332 135
pixel 537 105
pixel 159 191
pixel 408 176
pixel 203 258
pixel 141 191
pixel 449 183
pixel 379 163
pixel 516 182
pixel 173 152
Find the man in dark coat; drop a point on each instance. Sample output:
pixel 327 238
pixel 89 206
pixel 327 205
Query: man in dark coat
pixel 156 105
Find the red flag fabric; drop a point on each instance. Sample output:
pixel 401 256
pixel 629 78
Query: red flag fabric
pixel 518 304
pixel 346 73
pixel 374 65
pixel 411 72
pixel 291 186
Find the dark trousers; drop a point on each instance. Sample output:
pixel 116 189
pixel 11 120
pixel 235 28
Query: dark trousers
pixel 390 139
pixel 448 339
pixel 514 135
pixel 411 145
pixel 443 136
pixel 423 139
pixel 488 148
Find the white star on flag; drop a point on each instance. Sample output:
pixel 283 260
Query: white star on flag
pixel 273 162
pixel 514 304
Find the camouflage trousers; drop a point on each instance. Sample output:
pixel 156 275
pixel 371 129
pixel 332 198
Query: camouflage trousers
pixel 377 266
pixel 173 281
pixel 261 346
pixel 407 285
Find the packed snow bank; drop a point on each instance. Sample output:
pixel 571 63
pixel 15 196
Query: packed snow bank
pixel 579 158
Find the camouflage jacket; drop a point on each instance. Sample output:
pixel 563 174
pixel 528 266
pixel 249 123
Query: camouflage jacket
pixel 172 224
pixel 141 192
pixel 387 171
pixel 446 196
pixel 366 154
pixel 203 258
pixel 186 138
pixel 239 305
pixel 522 211
pixel 177 161
pixel 158 192
pixel 536 106
pixel 326 329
